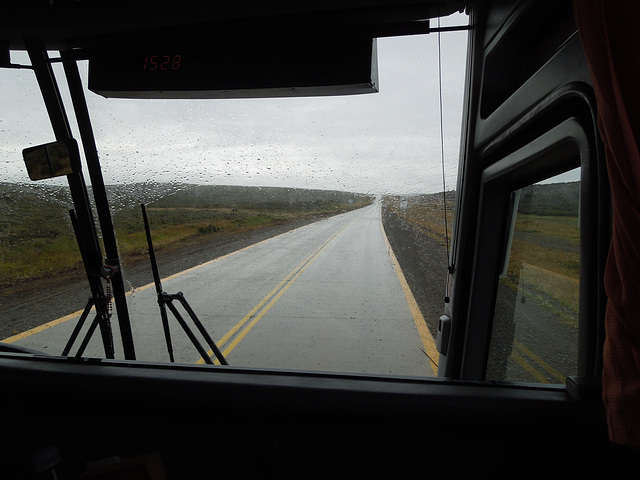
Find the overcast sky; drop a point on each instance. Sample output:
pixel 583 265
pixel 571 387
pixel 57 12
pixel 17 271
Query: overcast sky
pixel 388 142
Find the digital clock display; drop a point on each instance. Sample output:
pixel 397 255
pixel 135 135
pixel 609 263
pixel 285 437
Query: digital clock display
pixel 338 67
pixel 162 62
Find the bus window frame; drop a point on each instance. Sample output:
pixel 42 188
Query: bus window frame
pixel 550 154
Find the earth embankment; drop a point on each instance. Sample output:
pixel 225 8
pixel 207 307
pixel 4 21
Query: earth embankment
pixel 423 260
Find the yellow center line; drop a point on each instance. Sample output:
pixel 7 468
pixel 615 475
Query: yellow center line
pixel 242 334
pixel 429 344
pixel 522 361
pixel 270 299
pixel 539 361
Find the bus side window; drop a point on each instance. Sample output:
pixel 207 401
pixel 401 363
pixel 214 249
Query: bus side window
pixel 535 324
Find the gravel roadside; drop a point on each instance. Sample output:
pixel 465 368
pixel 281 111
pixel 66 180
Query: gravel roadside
pixel 424 264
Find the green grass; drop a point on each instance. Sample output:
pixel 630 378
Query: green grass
pixel 36 237
pixel 560 227
pixel 38 257
pixel 545 262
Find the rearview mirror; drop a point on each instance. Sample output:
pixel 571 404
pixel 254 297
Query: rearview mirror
pixel 52 159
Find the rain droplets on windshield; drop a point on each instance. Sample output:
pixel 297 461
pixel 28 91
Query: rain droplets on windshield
pixel 215 170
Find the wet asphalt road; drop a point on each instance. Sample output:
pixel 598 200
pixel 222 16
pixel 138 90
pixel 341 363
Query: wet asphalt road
pixel 323 297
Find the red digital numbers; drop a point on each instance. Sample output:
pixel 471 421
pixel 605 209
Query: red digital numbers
pixel 162 62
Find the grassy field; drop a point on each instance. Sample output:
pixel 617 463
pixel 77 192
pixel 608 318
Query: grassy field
pixel 544 259
pixel 545 262
pixel 37 240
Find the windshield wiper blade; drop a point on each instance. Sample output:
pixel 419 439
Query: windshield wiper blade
pixel 166 300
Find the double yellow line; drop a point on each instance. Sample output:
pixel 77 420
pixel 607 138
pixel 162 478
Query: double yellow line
pixel 233 337
pixel 534 365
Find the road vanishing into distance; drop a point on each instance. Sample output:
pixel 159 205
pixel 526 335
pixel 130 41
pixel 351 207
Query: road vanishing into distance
pixel 328 296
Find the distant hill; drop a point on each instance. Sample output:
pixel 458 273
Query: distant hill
pixel 32 211
pixel 26 208
pixel 37 239
pixel 208 196
pixel 540 199
pixel 550 199
pixel 173 195
pixel 433 198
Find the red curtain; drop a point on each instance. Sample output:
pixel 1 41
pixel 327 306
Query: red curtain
pixel 610 34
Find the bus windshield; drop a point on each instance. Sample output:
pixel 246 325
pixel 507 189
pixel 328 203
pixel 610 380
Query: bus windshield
pixel 302 233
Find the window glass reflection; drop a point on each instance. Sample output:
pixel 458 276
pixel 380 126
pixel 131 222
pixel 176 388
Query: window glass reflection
pixel 535 325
